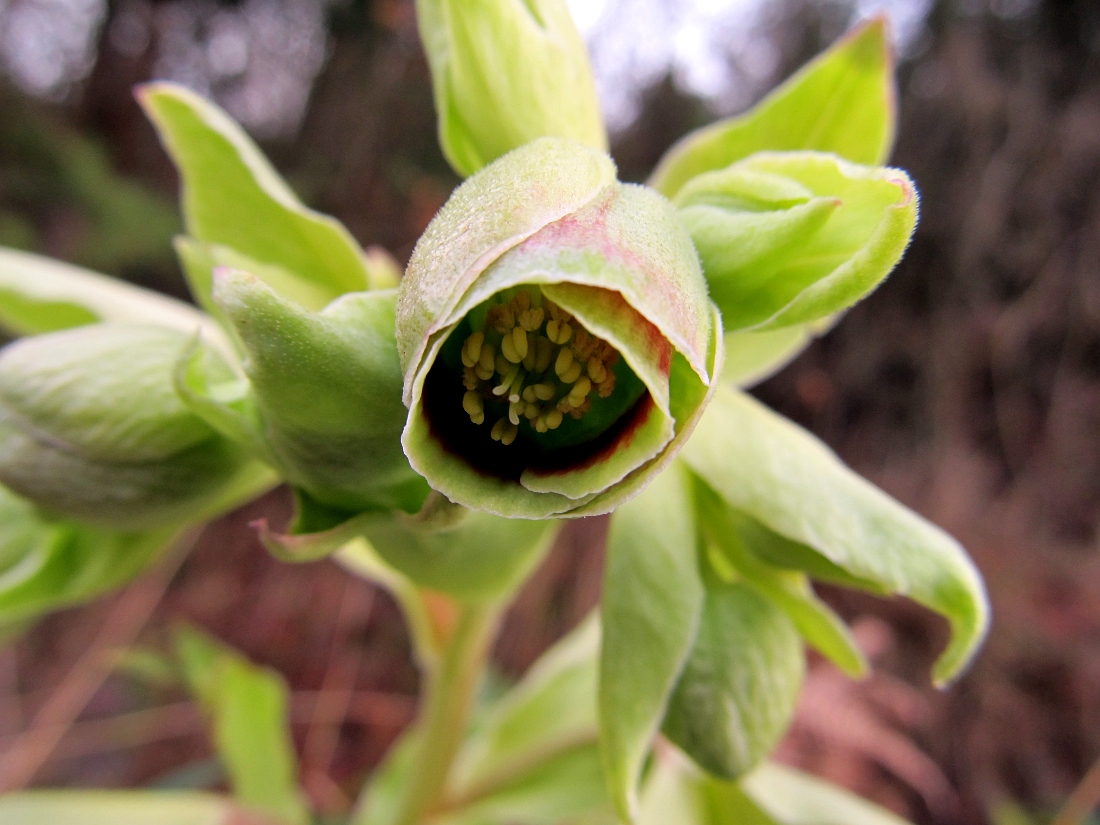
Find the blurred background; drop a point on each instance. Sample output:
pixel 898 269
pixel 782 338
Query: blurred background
pixel 968 385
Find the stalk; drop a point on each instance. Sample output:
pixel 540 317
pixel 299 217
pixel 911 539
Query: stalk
pixel 448 699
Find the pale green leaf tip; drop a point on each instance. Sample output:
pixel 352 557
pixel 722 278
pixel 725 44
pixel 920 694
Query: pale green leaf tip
pixel 968 627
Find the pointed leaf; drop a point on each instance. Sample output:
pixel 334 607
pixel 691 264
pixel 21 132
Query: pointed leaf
pixel 233 197
pixel 774 471
pixel 730 536
pixel 122 808
pixel 736 694
pixel 842 102
pixel 39 294
pixel 652 602
pixel 247 709
pixel 550 712
pixel 48 565
pixel 795 798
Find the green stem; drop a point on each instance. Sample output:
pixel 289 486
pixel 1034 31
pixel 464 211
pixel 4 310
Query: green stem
pixel 448 699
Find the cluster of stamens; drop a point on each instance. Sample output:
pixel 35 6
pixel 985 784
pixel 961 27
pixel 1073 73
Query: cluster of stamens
pixel 536 357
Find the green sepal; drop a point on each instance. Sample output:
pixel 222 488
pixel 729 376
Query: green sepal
pixel 504 73
pixel 234 198
pixel 92 429
pixel 843 102
pixel 737 691
pixel 652 603
pixel 247 708
pixel 327 390
pixel 772 470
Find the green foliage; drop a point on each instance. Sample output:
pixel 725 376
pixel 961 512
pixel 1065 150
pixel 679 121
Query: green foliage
pixel 40 295
pixel 119 808
pixel 47 564
pixel 232 197
pixel 842 102
pixel 652 603
pixel 137 413
pixel 505 72
pixel 765 466
pixel 246 707
pixel 737 691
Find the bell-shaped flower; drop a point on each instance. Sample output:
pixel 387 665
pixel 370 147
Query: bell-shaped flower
pixel 506 72
pixel 91 428
pixel 555 334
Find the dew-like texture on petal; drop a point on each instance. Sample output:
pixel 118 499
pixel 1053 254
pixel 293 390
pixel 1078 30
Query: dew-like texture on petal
pixel 507 202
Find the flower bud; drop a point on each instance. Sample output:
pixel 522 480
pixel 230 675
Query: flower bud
pixel 327 388
pixel 506 72
pixel 555 335
pixel 790 238
pixel 91 427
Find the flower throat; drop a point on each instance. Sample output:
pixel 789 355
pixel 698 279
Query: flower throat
pixel 536 357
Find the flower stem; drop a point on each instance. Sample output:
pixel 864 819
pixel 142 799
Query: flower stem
pixel 448 699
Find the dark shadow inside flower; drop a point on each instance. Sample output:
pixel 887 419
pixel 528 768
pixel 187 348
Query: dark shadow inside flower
pixel 520 384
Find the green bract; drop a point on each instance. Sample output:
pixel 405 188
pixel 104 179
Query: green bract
pixel 506 72
pixel 91 427
pixel 555 334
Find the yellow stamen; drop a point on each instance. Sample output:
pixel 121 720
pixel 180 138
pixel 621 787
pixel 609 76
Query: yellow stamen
pixel 531 319
pixel 508 348
pixel 596 370
pixel 543 392
pixel 509 434
pixel 553 419
pixel 571 374
pixel 474 407
pixel 532 411
pixel 580 391
pixel 498 429
pixel 564 362
pixel 471 352
pixel 544 353
pixel 531 358
pixel 519 341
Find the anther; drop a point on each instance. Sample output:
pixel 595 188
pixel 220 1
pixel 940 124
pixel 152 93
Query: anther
pixel 543 392
pixel 498 429
pixel 508 348
pixel 531 358
pixel 474 407
pixel 544 353
pixel 519 341
pixel 571 374
pixel 470 379
pixel 531 319
pixel 471 351
pixel 502 364
pixel 532 411
pixel 553 419
pixel 580 392
pixel 529 394
pixel 509 434
pixel 563 363
pixel 596 370
pixel 486 363
pixel 517 386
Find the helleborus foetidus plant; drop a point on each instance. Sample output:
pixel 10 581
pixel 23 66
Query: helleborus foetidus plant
pixel 561 344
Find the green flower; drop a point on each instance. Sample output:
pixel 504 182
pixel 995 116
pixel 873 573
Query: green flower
pixel 555 335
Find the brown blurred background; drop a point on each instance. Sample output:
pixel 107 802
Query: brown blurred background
pixel 968 386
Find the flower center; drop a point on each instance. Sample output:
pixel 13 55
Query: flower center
pixel 536 357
